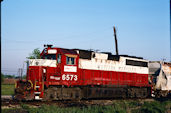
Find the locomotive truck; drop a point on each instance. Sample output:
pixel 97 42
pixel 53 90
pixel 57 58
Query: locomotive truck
pixel 74 74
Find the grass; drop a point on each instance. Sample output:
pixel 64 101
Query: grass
pixel 122 106
pixel 154 107
pixel 7 89
pixel 55 109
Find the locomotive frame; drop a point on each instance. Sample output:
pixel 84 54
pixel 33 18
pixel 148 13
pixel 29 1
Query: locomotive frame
pixel 75 74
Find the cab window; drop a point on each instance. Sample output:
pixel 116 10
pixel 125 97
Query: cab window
pixel 70 60
pixel 49 56
pixel 59 58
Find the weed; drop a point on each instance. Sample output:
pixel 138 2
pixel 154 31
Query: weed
pixel 118 107
pixel 152 107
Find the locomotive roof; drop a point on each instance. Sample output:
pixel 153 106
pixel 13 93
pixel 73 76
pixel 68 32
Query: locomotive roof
pixel 87 53
pixel 68 51
pixel 110 54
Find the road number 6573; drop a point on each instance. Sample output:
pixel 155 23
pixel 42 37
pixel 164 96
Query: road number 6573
pixel 69 77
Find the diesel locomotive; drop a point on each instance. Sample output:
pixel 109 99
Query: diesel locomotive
pixel 74 74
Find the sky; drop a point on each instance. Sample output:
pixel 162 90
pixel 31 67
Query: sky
pixel 143 28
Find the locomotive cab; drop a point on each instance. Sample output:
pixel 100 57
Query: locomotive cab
pixel 56 67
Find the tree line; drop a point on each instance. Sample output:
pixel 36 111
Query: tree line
pixel 4 76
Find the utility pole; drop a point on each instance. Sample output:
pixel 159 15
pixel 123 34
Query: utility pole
pixel 170 31
pixel 20 73
pixel 0 29
pixel 116 43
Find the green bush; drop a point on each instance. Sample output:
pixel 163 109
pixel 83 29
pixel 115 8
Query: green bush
pixel 2 78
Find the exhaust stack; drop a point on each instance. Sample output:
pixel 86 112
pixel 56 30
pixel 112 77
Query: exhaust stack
pixel 116 43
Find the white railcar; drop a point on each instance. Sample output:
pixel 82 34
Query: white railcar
pixel 161 78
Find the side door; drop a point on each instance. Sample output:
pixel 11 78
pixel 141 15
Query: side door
pixel 70 69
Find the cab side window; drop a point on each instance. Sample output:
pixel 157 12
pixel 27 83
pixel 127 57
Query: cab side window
pixel 59 58
pixel 70 60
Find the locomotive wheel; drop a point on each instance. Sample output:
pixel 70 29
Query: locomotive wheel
pixel 53 93
pixel 137 92
pixel 131 93
pixel 164 93
pixel 47 95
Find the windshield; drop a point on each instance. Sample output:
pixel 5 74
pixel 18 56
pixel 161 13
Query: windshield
pixel 49 56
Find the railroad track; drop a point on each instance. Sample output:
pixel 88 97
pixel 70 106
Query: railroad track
pixel 9 101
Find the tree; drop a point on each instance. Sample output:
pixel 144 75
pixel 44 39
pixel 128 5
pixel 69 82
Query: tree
pixel 9 76
pixel 2 77
pixel 24 76
pixel 35 54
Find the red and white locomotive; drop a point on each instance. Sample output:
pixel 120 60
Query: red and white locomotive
pixel 63 74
